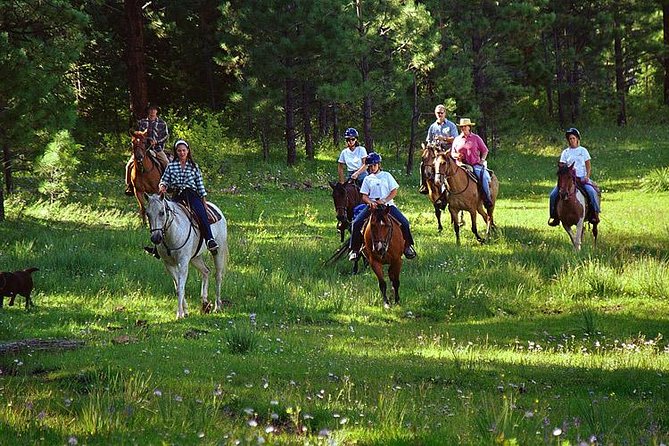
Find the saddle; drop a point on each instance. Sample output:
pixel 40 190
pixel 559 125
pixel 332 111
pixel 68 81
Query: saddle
pixel 212 214
pixel 589 214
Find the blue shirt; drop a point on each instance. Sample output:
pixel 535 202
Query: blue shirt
pixel 447 130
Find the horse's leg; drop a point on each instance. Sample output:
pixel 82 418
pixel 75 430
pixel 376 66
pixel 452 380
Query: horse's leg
pixel 594 234
pixel 394 274
pixel 198 262
pixel 179 273
pixel 472 214
pixel 140 200
pixel 377 267
pixel 455 221
pixel 572 236
pixel 220 262
pixel 437 213
pixel 486 218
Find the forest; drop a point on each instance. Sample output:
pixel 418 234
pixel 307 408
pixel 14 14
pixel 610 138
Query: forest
pixel 290 75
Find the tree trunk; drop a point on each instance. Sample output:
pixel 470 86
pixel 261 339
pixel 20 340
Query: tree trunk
pixel 135 58
pixel 665 26
pixel 291 152
pixel 322 120
pixel 549 84
pixel 364 72
pixel 414 126
pixel 479 82
pixel 559 77
pixel 209 15
pixel 335 125
pixel 7 167
pixel 620 73
pixel 306 121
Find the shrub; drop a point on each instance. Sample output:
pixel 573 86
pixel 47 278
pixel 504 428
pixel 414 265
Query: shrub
pixel 56 168
pixel 657 180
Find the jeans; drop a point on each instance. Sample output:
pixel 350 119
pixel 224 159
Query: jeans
pixel 356 228
pixel 484 177
pixel 190 197
pixel 589 189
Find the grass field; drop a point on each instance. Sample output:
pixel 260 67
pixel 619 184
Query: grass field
pixel 517 341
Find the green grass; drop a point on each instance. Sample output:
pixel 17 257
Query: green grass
pixel 517 341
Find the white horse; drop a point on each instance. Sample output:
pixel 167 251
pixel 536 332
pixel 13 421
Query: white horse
pixel 179 243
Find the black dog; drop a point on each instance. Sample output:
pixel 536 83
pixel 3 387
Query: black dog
pixel 18 282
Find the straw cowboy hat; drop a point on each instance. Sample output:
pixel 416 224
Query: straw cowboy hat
pixel 466 121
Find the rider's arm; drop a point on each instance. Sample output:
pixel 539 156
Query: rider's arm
pixel 587 170
pixel 362 168
pixel 340 170
pixel 366 199
pixel 390 196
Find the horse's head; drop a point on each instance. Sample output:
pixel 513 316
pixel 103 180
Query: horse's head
pixel 443 168
pixel 428 155
pixel 381 227
pixel 156 211
pixel 566 181
pixel 138 145
pixel 339 197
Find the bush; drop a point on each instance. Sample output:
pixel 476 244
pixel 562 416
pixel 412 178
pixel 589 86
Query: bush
pixel 657 180
pixel 56 168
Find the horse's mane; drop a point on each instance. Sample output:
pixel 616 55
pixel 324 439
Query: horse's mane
pixel 563 169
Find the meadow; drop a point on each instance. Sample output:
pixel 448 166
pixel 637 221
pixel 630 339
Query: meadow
pixel 517 341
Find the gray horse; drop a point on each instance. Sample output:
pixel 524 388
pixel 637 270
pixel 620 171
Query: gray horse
pixel 177 239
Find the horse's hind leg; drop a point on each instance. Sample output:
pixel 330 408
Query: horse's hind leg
pixel 456 226
pixel 437 213
pixel 594 234
pixel 198 262
pixel 472 213
pixel 221 263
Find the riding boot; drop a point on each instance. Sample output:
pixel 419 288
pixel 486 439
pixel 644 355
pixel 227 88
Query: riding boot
pixel 409 251
pixel 595 218
pixel 356 244
pixel 423 182
pixel 129 190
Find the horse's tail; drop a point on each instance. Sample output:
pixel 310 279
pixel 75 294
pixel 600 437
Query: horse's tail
pixel 338 253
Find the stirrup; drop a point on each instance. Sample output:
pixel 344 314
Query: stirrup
pixel 409 252
pixel 353 256
pixel 212 245
pixel 553 221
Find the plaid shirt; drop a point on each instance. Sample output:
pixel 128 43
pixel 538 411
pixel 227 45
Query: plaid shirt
pixel 188 177
pixel 157 130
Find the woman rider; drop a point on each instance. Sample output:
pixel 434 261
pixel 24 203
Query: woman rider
pixel 183 176
pixel 379 188
pixel 352 158
pixel 580 156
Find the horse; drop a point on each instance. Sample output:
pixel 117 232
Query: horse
pixel 572 206
pixel 146 171
pixel 384 245
pixel 345 197
pixel 464 194
pixel 179 242
pixel 437 195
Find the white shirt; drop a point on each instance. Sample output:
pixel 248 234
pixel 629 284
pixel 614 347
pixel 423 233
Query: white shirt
pixel 578 155
pixel 379 185
pixel 353 158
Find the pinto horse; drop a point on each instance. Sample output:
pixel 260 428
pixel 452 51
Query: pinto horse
pixel 437 195
pixel 179 242
pixel 384 245
pixel 146 171
pixel 464 194
pixel 572 206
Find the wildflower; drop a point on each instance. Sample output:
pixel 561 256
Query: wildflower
pixel 324 433
pixel 253 423
pixel 158 392
pixel 557 432
pixel 72 441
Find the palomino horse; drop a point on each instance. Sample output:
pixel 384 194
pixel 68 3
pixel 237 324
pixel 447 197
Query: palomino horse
pixel 572 206
pixel 464 194
pixel 179 242
pixel 437 195
pixel 146 171
pixel 384 245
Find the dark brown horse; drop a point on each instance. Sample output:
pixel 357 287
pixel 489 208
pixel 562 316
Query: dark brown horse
pixel 384 245
pixel 437 195
pixel 146 171
pixel 572 206
pixel 464 194
pixel 346 197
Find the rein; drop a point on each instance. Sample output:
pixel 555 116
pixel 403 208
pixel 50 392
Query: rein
pixel 451 175
pixel 385 244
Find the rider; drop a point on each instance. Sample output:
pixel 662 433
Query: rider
pixel 156 135
pixel 378 188
pixel 183 176
pixel 470 149
pixel 578 155
pixel 441 132
pixel 352 158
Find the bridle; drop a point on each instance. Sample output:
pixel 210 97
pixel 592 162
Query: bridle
pixel 453 171
pixel 385 219
pixel 169 219
pixel 570 190
pixel 139 152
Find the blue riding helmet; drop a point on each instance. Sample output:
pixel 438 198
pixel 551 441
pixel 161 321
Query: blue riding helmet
pixel 372 158
pixel 351 133
pixel 572 131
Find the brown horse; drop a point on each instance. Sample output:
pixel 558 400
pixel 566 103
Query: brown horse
pixel 464 194
pixel 572 206
pixel 346 197
pixel 146 171
pixel 437 195
pixel 384 245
